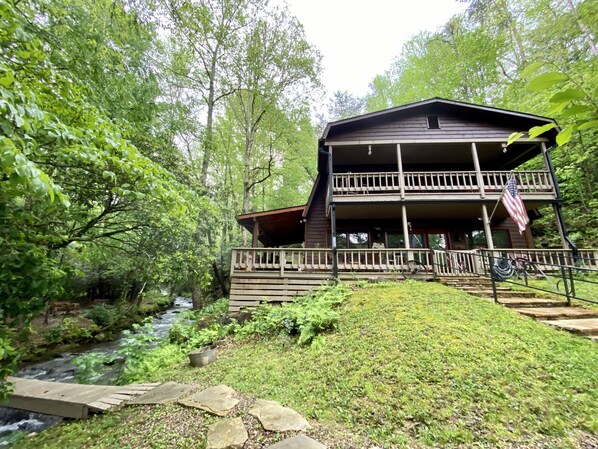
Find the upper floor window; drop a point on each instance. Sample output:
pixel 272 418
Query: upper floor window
pixel 433 122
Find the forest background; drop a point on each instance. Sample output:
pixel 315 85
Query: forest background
pixel 133 132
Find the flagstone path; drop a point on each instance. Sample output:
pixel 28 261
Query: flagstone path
pixel 230 430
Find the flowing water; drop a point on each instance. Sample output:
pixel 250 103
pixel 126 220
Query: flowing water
pixel 61 369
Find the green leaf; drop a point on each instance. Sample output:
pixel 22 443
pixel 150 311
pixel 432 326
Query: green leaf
pixel 514 137
pixel 576 109
pixel 587 125
pixel 567 95
pixel 546 80
pixel 7 78
pixel 564 136
pixel 537 130
pixel 531 69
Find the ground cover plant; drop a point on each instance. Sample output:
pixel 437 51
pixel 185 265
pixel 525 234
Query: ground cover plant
pixel 414 365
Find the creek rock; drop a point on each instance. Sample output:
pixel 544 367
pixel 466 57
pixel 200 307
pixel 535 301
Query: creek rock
pixel 275 417
pixel 298 442
pixel 218 400
pixel 227 434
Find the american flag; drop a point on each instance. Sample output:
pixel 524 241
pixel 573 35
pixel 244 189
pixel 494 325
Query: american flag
pixel 514 204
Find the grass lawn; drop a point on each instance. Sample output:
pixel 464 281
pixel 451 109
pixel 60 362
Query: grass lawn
pixel 413 364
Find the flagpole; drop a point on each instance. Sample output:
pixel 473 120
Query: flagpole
pixel 500 197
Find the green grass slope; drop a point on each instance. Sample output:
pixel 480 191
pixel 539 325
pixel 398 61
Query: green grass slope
pixel 420 364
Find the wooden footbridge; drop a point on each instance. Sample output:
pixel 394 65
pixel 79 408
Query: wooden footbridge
pixel 71 400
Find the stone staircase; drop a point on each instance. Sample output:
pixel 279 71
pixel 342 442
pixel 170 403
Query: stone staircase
pixel 555 312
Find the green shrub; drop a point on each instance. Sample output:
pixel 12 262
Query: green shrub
pixel 69 330
pixel 306 317
pixel 103 315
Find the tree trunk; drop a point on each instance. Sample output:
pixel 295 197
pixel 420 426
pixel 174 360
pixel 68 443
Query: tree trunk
pixel 197 298
pixel 220 278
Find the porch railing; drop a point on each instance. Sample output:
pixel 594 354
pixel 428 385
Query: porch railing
pixel 387 260
pixel 538 181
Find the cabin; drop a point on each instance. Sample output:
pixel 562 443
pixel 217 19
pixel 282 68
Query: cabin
pixel 422 181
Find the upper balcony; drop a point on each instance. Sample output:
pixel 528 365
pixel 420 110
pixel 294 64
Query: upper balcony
pixel 439 185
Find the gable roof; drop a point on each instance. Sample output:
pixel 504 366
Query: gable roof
pixel 434 101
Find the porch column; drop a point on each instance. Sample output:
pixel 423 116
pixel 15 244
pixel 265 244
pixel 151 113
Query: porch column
pixel 555 207
pixel 332 217
pixel 478 171
pixel 487 229
pixel 400 166
pixel 560 226
pixel 405 226
pixel 256 233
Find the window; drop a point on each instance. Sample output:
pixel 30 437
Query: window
pixel 433 122
pixel 437 241
pixel 395 240
pixel 477 238
pixel 346 240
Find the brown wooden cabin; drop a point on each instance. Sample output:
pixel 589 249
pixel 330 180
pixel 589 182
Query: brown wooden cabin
pixel 424 177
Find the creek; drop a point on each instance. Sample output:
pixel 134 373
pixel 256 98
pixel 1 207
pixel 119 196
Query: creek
pixel 61 369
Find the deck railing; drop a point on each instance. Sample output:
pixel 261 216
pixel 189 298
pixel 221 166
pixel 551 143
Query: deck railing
pixel 388 260
pixel 439 182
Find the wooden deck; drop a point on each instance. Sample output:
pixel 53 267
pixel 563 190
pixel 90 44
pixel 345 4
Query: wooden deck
pixel 70 400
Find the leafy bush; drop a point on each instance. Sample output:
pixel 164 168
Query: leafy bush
pixel 132 350
pixel 70 330
pixel 306 317
pixel 103 315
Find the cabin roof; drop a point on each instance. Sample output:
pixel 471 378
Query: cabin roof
pixel 277 227
pixel 434 101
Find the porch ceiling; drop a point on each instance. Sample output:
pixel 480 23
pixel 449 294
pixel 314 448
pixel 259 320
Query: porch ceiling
pixel 490 154
pixel 430 210
pixel 276 227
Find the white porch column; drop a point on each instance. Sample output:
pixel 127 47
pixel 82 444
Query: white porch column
pixel 405 226
pixel 400 165
pixel 487 229
pixel 478 170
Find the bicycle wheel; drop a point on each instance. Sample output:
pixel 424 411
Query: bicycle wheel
pixel 526 268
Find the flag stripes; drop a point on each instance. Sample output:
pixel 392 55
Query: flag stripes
pixel 514 204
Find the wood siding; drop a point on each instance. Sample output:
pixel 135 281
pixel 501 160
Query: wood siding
pixel 317 225
pixel 453 125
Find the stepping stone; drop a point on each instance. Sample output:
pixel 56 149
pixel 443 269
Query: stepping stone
pixel 227 434
pixel 218 400
pixel 298 442
pixel 166 393
pixel 275 417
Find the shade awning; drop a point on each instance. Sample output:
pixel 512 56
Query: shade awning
pixel 276 227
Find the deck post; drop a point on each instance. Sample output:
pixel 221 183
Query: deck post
pixel 560 223
pixel 478 170
pixel 332 218
pixel 400 166
pixel 405 230
pixel 487 229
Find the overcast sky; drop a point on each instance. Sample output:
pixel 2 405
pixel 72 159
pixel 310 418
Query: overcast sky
pixel 360 38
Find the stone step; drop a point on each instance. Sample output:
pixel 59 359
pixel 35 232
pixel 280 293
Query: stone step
pixel 558 313
pixel 593 337
pixel 503 293
pixel 584 326
pixel 476 287
pixel 530 302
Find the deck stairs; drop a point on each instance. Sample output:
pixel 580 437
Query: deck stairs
pixel 553 311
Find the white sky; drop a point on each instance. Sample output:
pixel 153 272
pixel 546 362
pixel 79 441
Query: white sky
pixel 360 38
